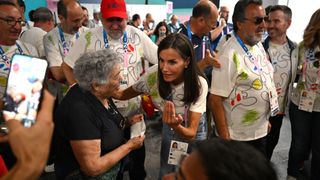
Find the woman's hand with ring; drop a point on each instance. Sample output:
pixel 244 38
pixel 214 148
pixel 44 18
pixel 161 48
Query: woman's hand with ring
pixel 169 115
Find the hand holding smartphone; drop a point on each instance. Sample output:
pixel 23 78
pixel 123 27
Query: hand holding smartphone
pixel 24 89
pixel 162 34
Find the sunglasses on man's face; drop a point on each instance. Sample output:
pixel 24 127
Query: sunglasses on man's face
pixel 258 20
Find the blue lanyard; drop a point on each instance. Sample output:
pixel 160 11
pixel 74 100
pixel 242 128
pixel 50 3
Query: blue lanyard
pixel 106 42
pixel 189 32
pixel 63 41
pixel 204 40
pixel 125 48
pixel 251 57
pixel 5 57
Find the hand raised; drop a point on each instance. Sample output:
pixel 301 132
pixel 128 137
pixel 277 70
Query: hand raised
pixel 169 115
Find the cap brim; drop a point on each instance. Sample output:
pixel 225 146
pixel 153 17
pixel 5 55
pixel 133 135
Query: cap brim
pixel 109 14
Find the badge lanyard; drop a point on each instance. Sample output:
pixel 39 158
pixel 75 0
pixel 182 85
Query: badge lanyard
pixel 125 48
pixel 203 40
pixel 63 41
pixel 185 115
pixel 311 56
pixel 5 57
pixel 251 57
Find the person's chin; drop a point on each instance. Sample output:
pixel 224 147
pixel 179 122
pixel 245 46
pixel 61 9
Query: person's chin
pixel 259 34
pixel 13 39
pixel 115 35
pixel 75 31
pixel 14 36
pixel 167 79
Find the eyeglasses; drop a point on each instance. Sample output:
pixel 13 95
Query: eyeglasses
pixel 13 22
pixel 258 20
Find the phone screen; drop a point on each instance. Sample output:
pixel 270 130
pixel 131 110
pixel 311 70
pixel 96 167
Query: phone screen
pixel 24 88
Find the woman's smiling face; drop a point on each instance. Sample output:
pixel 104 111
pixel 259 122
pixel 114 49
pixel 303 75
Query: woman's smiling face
pixel 172 66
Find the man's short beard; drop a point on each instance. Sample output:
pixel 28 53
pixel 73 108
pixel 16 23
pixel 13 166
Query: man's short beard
pixel 74 31
pixel 253 40
pixel 115 34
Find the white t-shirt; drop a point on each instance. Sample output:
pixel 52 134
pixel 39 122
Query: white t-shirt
pixel 312 79
pixel 139 46
pixel 53 45
pixel 34 36
pixel 281 62
pixel 246 91
pixel 26 48
pixel 223 41
pixel 148 83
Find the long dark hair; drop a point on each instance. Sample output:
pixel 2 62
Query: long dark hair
pixel 311 34
pixel 156 30
pixel 192 86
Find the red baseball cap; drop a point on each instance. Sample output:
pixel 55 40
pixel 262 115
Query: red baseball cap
pixel 113 8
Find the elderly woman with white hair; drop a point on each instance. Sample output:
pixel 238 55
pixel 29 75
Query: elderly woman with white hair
pixel 89 128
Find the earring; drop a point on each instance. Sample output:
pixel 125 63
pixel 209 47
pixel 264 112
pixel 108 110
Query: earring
pixel 186 66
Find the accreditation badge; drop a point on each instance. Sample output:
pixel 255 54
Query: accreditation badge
pixel 274 105
pixel 307 99
pixel 177 151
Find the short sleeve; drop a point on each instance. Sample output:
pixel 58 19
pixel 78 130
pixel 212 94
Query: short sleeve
pixel 201 104
pixel 81 123
pixel 51 47
pixel 223 78
pixel 149 48
pixel 78 49
pixel 147 81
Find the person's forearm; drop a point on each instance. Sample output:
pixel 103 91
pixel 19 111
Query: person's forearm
pixel 186 133
pixel 126 94
pixel 23 171
pixel 107 161
pixel 216 32
pixel 58 74
pixel 68 73
pixel 216 106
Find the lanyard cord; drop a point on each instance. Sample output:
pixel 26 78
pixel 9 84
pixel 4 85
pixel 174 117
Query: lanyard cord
pixel 5 57
pixel 63 41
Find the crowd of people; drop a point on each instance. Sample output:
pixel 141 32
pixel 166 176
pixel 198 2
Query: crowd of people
pixel 222 89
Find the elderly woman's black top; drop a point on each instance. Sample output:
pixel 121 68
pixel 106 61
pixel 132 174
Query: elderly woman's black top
pixel 81 116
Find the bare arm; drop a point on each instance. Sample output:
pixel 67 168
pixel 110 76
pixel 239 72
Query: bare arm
pixel 126 94
pixel 216 106
pixel 216 32
pixel 87 153
pixel 68 73
pixel 174 120
pixel 57 73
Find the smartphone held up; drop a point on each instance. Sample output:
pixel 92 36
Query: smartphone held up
pixel 24 89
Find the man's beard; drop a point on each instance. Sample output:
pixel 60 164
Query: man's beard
pixel 74 30
pixel 115 34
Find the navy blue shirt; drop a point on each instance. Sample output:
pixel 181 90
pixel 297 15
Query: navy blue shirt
pixel 197 43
